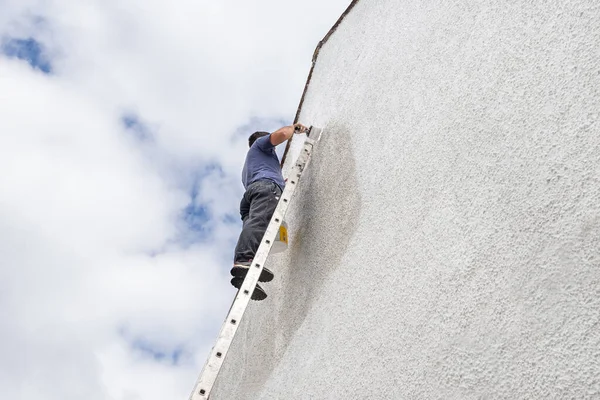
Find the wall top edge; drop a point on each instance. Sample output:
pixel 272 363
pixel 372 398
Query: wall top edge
pixel 314 61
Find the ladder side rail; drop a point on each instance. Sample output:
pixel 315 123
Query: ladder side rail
pixel 213 365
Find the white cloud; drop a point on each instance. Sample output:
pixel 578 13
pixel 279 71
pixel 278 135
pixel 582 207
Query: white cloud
pixel 98 269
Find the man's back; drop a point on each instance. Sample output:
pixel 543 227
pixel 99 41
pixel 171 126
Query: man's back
pixel 262 163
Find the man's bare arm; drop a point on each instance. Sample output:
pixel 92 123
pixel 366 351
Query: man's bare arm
pixel 285 133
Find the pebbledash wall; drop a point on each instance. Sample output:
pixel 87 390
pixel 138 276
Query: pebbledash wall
pixel 445 240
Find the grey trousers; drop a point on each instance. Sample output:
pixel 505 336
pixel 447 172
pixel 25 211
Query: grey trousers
pixel 256 209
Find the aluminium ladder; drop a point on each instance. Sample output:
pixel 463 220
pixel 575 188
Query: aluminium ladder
pixel 213 365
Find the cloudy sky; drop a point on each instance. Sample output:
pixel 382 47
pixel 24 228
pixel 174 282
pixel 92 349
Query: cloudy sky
pixel 123 127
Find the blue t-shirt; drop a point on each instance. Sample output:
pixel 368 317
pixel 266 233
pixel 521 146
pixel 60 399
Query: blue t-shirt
pixel 262 163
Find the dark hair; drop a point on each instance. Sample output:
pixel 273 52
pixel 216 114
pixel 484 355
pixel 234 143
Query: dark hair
pixel 255 136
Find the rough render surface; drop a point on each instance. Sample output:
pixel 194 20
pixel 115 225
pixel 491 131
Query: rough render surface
pixel 445 240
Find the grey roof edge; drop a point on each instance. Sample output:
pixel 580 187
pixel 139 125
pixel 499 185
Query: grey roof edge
pixel 314 61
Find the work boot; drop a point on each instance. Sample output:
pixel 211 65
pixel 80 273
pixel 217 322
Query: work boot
pixel 258 294
pixel 240 269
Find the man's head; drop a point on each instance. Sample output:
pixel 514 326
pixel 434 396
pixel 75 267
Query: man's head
pixel 255 136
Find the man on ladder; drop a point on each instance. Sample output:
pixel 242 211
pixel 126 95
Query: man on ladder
pixel 263 214
pixel 264 184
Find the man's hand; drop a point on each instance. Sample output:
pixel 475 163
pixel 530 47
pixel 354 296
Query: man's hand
pixel 299 128
pixel 285 133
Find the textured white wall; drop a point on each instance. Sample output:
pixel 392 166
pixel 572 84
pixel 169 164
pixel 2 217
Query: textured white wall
pixel 446 237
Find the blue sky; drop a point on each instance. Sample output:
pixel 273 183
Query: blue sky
pixel 136 127
pixel 29 50
pixel 124 129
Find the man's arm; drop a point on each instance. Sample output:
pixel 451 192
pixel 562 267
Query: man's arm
pixel 285 133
